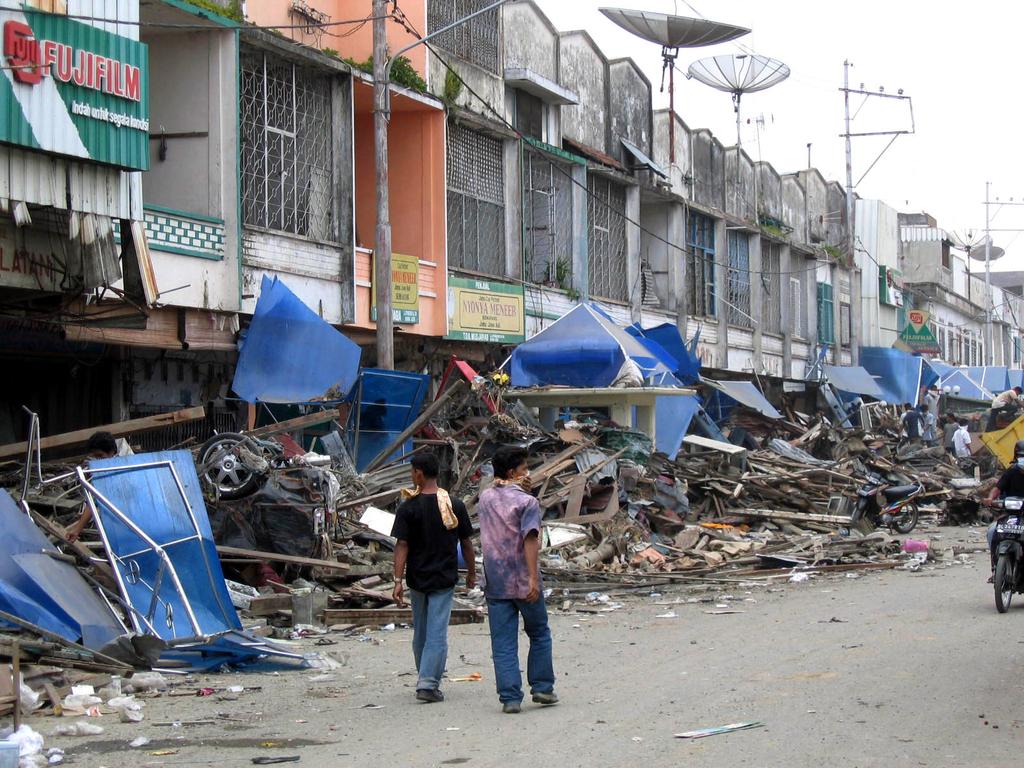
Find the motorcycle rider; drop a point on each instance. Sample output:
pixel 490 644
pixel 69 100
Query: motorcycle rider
pixel 1011 483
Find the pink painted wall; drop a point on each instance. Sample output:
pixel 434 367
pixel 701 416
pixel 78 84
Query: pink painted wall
pixel 349 40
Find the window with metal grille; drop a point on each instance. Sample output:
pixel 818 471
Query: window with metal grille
pixel 771 287
pixel 826 316
pixel 844 324
pixel 738 310
pixel 547 220
pixel 796 303
pixel 606 211
pixel 286 147
pixel 700 265
pixel 476 41
pixel 476 202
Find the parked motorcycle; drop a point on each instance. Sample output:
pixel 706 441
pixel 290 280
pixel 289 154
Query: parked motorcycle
pixel 1008 547
pixel 897 509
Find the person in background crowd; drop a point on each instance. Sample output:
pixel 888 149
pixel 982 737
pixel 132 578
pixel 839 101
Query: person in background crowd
pixel 429 526
pixel 510 538
pixel 928 425
pixel 962 441
pixel 931 398
pixel 911 421
pixel 950 426
pixel 1004 404
pixel 101 445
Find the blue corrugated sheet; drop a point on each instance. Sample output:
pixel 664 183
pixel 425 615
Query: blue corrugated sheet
pixel 964 387
pixel 388 402
pixel 899 375
pixel 290 354
pixel 667 336
pixel 47 592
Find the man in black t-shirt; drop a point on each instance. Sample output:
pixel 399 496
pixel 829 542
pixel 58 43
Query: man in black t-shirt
pixel 429 527
pixel 1010 484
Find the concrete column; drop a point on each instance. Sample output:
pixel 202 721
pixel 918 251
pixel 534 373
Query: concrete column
pixel 677 262
pixel 513 210
pixel 856 308
pixel 632 264
pixel 580 248
pixel 721 291
pixel 756 298
pixel 789 319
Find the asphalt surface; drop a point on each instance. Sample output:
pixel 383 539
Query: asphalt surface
pixel 886 668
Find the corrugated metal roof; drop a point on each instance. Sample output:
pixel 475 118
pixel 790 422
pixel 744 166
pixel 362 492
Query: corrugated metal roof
pixel 922 234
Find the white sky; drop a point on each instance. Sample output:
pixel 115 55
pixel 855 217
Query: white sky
pixel 959 61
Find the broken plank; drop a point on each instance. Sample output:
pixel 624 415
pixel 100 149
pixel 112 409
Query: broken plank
pixel 428 413
pixel 807 517
pixel 273 557
pixel 380 616
pixel 299 422
pixel 119 429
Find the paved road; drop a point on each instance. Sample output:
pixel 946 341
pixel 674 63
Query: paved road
pixel 888 669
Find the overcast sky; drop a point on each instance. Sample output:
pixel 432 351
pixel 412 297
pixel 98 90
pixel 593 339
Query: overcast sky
pixel 960 62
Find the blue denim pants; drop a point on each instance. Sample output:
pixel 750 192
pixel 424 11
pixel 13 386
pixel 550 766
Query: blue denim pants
pixel 430 614
pixel 503 618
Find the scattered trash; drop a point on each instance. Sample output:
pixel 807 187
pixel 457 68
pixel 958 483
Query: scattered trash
pixel 705 732
pixel 139 741
pixel 81 728
pixel 473 677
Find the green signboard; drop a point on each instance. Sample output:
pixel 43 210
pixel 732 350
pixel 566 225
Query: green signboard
pixel 918 336
pixel 74 89
pixel 482 310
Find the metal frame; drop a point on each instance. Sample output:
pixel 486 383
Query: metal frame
pixel 606 216
pixel 476 201
pixel 105 506
pixel 700 252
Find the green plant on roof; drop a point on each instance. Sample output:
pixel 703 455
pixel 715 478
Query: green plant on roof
pixel 402 72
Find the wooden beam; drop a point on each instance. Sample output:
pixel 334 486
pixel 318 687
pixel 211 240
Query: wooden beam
pixel 273 557
pixel 120 429
pixel 380 616
pixel 300 422
pixel 428 413
pixel 772 514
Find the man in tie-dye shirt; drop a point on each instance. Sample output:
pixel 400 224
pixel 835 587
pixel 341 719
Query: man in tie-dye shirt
pixel 510 536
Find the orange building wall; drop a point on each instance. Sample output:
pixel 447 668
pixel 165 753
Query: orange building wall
pixel 417 193
pixel 357 42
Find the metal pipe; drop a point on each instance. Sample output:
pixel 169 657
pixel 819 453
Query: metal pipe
pixel 988 278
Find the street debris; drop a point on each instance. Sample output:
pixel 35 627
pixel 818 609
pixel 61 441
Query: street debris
pixel 731 728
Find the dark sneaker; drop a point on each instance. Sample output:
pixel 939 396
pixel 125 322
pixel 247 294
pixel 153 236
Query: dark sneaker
pixel 547 699
pixel 429 695
pixel 511 708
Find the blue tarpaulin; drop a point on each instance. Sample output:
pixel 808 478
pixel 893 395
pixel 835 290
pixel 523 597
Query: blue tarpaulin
pixel 672 417
pixel 386 402
pixel 37 587
pixel 963 386
pixel 899 375
pixel 745 393
pixel 290 354
pixel 667 336
pixel 852 379
pixel 583 348
pixel 1015 377
pixel 993 378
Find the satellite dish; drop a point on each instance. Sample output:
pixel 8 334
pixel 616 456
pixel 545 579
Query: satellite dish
pixel 673 31
pixel 978 252
pixel 739 74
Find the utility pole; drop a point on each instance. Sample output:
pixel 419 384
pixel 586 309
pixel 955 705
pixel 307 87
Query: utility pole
pixel 382 242
pixel 850 206
pixel 988 277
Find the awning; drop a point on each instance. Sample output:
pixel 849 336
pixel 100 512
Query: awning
pixel 544 89
pixel 641 159
pixel 745 393
pixel 853 378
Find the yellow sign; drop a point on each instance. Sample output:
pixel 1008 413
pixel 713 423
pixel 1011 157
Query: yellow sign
pixel 481 310
pixel 405 289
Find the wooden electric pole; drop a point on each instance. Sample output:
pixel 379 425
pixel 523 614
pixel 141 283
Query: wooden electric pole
pixel 382 243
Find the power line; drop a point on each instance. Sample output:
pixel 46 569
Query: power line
pixel 403 20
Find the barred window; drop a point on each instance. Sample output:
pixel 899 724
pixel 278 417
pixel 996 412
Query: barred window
pixel 771 286
pixel 845 320
pixel 547 220
pixel 476 202
pixel 700 266
pixel 286 147
pixel 475 41
pixel 826 316
pixel 607 239
pixel 738 310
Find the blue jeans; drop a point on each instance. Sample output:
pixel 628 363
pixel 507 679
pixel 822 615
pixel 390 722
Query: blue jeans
pixel 503 617
pixel 430 614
